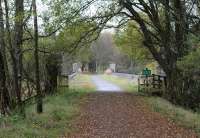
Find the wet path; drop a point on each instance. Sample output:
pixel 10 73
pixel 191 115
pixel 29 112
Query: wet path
pixel 105 86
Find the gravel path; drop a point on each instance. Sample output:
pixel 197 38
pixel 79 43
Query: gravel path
pixel 122 115
pixel 105 86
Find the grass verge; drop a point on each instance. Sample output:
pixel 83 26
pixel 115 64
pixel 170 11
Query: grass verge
pixel 82 81
pixel 59 111
pixel 182 117
pixel 125 84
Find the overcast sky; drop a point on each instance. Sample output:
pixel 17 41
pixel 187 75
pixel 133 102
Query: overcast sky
pixel 41 8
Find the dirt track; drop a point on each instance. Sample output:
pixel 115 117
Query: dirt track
pixel 122 115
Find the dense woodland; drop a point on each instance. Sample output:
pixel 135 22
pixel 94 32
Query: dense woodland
pixel 32 41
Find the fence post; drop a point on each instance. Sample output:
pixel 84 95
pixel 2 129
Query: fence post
pixel 138 84
pixel 159 82
pixel 154 85
pixel 146 83
pixel 165 83
pixel 58 80
pixel 67 81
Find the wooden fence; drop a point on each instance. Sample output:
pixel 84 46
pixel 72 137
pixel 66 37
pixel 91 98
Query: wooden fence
pixel 63 80
pixel 153 83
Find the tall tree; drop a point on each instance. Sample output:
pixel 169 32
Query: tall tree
pixel 37 69
pixel 17 43
pixel 8 40
pixel 165 42
pixel 4 95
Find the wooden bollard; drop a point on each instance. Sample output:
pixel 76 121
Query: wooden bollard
pixel 154 79
pixel 138 84
pixel 67 81
pixel 159 82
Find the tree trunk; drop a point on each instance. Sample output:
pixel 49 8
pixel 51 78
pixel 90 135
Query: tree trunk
pixel 4 95
pixel 172 85
pixel 52 71
pixel 12 88
pixel 37 68
pixel 17 63
pixel 3 46
pixel 2 87
pixel 180 27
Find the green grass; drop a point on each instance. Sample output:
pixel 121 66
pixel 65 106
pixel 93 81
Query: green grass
pixel 59 111
pixel 82 81
pixel 123 83
pixel 182 117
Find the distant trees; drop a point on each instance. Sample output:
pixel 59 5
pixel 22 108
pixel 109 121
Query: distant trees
pixel 165 26
pixel 103 50
pixel 74 42
pixel 129 41
pixel 113 48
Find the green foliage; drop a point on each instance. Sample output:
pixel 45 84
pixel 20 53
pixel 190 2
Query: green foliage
pixel 59 111
pixel 59 13
pixel 75 40
pixel 130 41
pixel 48 44
pixel 72 37
pixel 83 55
pixel 190 81
pixel 190 64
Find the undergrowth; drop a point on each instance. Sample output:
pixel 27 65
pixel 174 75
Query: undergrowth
pixel 59 111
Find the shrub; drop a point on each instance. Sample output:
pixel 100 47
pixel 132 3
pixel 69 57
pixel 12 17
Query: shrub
pixel 190 81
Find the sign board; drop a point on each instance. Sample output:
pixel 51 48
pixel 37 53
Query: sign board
pixel 146 72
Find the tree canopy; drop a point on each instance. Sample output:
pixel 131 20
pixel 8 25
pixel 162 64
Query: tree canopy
pixel 130 41
pixel 167 30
